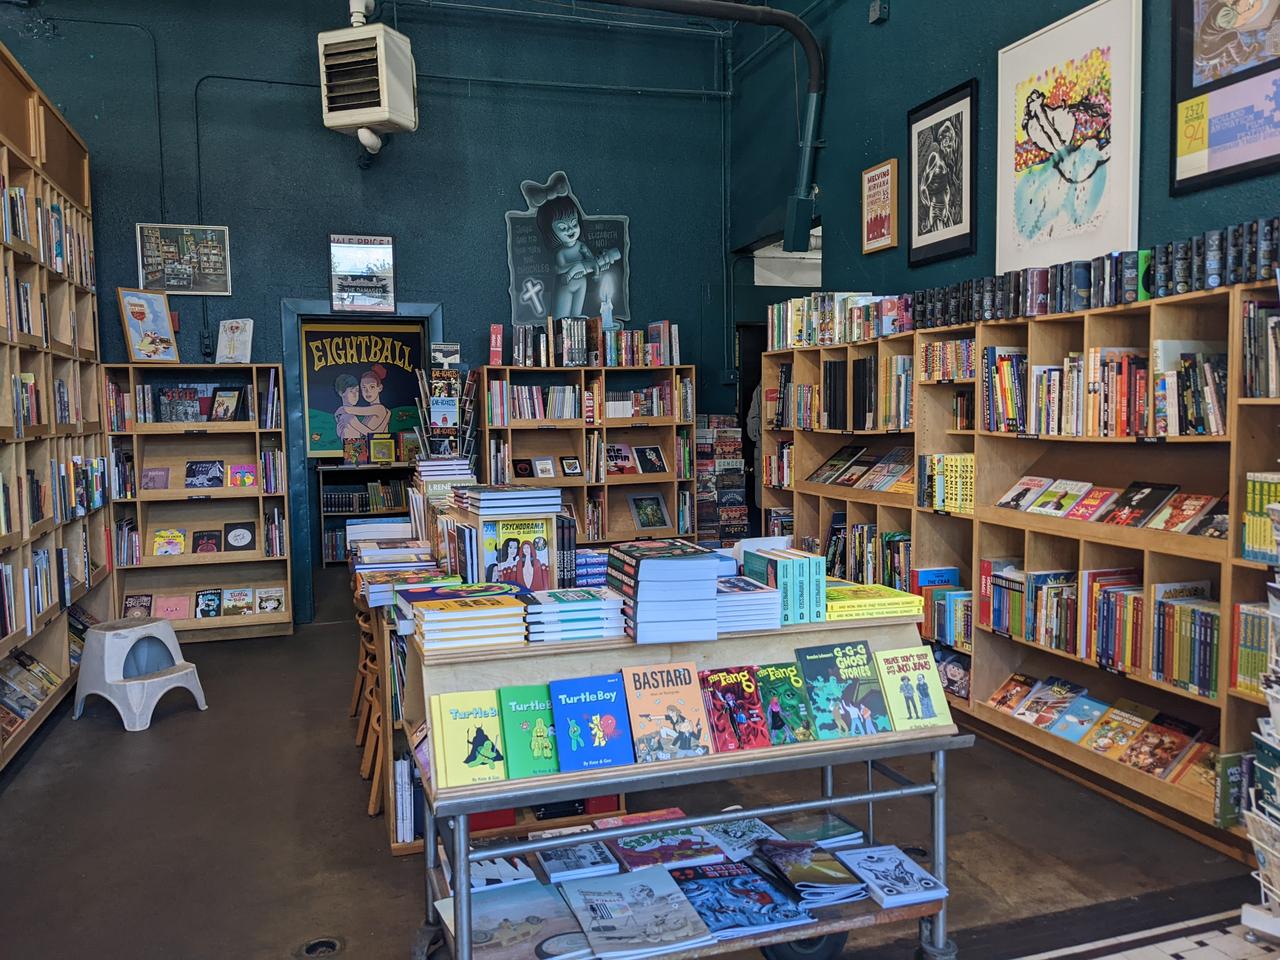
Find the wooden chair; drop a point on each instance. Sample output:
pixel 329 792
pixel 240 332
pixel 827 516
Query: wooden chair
pixel 364 626
pixel 373 742
pixel 371 682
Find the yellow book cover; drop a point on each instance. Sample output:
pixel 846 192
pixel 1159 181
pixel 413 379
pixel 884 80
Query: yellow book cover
pixel 470 605
pixel 912 689
pixel 471 731
pixel 1118 728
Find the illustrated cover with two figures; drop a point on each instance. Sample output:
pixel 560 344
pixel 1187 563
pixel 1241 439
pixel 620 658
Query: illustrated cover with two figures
pixel 734 709
pixel 844 690
pixel 912 688
pixel 667 717
pixel 591 723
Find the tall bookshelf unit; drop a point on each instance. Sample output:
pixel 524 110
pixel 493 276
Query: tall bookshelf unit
pixel 172 445
pixel 57 350
pixel 609 494
pixel 1200 464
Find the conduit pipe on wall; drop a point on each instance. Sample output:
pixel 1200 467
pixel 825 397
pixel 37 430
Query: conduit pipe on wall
pixel 800 205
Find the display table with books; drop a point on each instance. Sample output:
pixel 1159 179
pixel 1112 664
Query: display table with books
pixel 685 713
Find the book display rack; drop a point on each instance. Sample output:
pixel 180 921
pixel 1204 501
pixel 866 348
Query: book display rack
pixel 53 529
pixel 358 490
pixel 981 392
pixel 200 512
pixel 449 809
pixel 618 440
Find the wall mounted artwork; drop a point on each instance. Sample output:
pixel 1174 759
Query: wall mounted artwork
pixel 1067 156
pixel 942 137
pixel 880 206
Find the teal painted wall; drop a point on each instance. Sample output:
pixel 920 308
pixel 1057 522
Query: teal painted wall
pixel 876 74
pixel 210 113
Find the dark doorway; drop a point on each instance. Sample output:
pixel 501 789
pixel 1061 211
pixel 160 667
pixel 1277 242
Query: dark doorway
pixel 749 346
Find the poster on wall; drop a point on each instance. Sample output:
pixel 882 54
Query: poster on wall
pixel 1067 155
pixel 1226 91
pixel 941 154
pixel 362 273
pixel 359 380
pixel 880 206
pixel 184 259
pixel 562 262
pixel 148 326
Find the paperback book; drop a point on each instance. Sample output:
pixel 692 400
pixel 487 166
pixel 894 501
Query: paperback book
pixel 516 923
pixel 893 879
pixel 733 709
pixel 668 721
pixel 912 688
pixel 844 690
pixel 665 846
pixel 591 722
pixel 634 914
pixel 786 706
pixel 735 901
pixel 528 731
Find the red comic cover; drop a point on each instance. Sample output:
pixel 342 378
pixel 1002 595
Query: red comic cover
pixel 734 709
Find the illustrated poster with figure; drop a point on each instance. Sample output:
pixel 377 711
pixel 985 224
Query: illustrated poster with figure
pixel 564 262
pixel 359 380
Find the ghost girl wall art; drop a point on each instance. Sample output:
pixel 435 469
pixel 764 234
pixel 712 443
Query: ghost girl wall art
pixel 1067 153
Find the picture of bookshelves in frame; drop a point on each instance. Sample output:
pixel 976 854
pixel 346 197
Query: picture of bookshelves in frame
pixel 220 485
pixel 618 441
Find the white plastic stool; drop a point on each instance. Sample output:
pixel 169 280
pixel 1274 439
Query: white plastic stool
pixel 132 663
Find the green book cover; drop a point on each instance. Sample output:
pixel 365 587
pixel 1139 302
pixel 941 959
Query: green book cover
pixel 527 731
pixel 1146 280
pixel 786 705
pixel 844 690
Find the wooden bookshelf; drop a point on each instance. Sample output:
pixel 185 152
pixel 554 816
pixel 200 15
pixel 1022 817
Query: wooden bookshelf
pixel 348 478
pixel 609 494
pixel 1213 465
pixel 57 350
pixel 175 506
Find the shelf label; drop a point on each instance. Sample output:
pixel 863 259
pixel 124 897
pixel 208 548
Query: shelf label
pixel 189 432
pixel 1028 436
pixel 641 423
pixel 1151 439
pixel 204 497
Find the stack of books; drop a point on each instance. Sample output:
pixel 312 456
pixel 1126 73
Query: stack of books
pixel 590 567
pixel 745 604
pixel 393 554
pixel 669 588
pixel 379 587
pixel 583 613
pixel 508 500
pixel 799 578
pixel 360 529
pixel 474 615
pixel 856 601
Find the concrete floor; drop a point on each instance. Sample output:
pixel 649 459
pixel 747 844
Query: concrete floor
pixel 241 833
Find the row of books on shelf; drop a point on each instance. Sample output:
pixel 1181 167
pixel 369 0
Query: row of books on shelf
pixel 948 359
pixel 1145 504
pixel 26 403
pixel 694 895
pixel 779 467
pixel 947 607
pixel 859 468
pixel 16 223
pixel 673 711
pixel 72 488
pixel 377 496
pixel 18 306
pixel 25 683
pixel 587 342
pixel 513 401
pixel 721 488
pixel 66 401
pixel 658 400
pixel 58 242
pixel 232 536
pixel 945 482
pixel 1259 540
pixel 192 403
pixel 47 580
pixel 826 319
pixel 205 604
pixel 881 396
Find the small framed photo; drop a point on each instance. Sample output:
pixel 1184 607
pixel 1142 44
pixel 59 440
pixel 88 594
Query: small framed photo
pixel 148 326
pixel 649 511
pixel 184 259
pixel 650 459
pixel 571 466
pixel 880 206
pixel 382 448
pixel 224 405
pixel 362 273
pixel 544 468
pixel 522 469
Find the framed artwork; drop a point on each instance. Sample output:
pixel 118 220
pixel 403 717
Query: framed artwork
pixel 359 379
pixel 362 273
pixel 571 466
pixel 544 468
pixel 235 340
pixel 941 154
pixel 148 326
pixel 649 511
pixel 880 206
pixel 183 259
pixel 1068 148
pixel 1226 68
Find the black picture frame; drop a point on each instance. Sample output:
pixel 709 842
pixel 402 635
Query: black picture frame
pixel 1183 88
pixel 389 301
pixel 919 254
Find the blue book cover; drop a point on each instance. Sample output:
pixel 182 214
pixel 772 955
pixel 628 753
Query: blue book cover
pixel 1076 720
pixel 593 728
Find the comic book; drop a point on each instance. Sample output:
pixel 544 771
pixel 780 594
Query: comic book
pixel 516 923
pixel 734 710
pixel 667 716
pixel 685 846
pixel 1012 692
pixel 639 913
pixel 591 722
pixel 518 552
pixel 1160 745
pixel 738 838
pixel 893 878
pixel 735 901
pixel 1078 719
pixel 1048 701
pixel 470 730
pixel 528 731
pixel 1118 728
pixel 786 706
pixel 844 690
pixel 912 688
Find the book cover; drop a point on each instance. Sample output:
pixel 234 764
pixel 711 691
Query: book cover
pixel 1214 524
pixel 268 599
pixel 893 879
pixel 470 732
pixel 591 723
pixel 1118 728
pixel 591 858
pixel 206 541
pixel 836 464
pixel 518 552
pixel 1024 493
pixel 805 864
pixel 662 846
pixel 1093 503
pixel 1160 745
pixel 521 921
pixel 1138 503
pixel 735 901
pixel 500 872
pixel 242 475
pixel 1012 692
pixel 738 838
pixel 844 690
pixel 1047 701
pixel 203 474
pixel 1197 771
pixel 668 720
pixel 1078 718
pixel 1057 499
pixel 136 606
pixel 154 478
pixel 912 689
pixel 169 542
pixel 208 604
pixel 240 535
pixel 823 827
pixel 786 706
pixel 171 607
pixel 528 730
pixel 1181 512
pixel 237 601
pixel 639 913
pixel 619 460
pixel 355 450
pixel 734 710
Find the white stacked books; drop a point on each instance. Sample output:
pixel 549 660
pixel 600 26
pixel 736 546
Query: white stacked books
pixel 744 604
pixel 579 613
pixel 508 500
pixel 669 589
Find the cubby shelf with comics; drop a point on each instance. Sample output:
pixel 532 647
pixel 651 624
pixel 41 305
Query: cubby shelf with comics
pixel 54 534
pixel 954 413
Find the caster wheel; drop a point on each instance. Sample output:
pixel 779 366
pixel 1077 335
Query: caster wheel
pixel 815 948
pixel 428 944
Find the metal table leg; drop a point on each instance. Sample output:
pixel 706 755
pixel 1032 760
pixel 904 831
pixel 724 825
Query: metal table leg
pixel 461 888
pixel 934 944
pixel 828 781
pixel 429 859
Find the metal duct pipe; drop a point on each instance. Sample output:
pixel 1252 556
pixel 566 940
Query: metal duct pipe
pixel 800 205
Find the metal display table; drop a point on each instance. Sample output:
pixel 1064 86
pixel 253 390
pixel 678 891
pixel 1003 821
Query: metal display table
pixel 448 810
